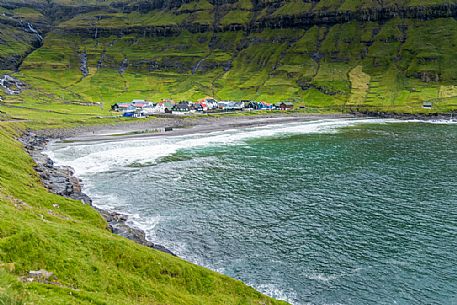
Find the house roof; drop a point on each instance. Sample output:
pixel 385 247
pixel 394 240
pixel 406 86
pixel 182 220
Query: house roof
pixel 123 105
pixel 182 105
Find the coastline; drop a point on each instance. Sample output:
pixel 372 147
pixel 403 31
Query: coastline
pixel 451 116
pixel 177 126
pixel 61 180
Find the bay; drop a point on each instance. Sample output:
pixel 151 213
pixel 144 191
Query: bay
pixel 326 212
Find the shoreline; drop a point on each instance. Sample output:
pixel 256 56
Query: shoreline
pixel 61 180
pixel 177 126
pixel 451 116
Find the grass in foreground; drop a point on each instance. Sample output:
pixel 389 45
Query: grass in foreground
pixel 40 230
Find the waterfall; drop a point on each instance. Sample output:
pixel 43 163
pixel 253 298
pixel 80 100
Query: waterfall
pixel 9 84
pixel 31 29
pixel 195 69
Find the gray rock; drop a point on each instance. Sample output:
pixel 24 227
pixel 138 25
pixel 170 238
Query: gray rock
pixel 117 223
pixel 62 181
pixel 83 64
pixel 124 65
pixel 42 274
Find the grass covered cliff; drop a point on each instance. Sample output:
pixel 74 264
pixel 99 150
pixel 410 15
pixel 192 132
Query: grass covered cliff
pixel 332 55
pixel 90 265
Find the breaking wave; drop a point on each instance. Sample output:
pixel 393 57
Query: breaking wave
pixel 99 157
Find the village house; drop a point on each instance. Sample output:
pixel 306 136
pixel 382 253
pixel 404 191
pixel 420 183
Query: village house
pixel 230 105
pixel 222 105
pixel 251 105
pixel 208 103
pixel 284 106
pixel 211 104
pixel 159 108
pixel 427 105
pixel 199 107
pixel 120 106
pixel 139 103
pixel 148 109
pixel 264 106
pixel 182 107
pixel 168 104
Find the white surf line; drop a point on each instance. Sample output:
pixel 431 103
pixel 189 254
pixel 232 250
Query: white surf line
pixel 105 156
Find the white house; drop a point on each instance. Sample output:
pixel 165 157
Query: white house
pixel 159 108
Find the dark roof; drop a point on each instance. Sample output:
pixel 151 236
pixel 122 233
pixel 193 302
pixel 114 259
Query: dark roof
pixel 182 105
pixel 122 104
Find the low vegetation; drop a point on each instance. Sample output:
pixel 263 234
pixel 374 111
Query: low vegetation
pixel 40 230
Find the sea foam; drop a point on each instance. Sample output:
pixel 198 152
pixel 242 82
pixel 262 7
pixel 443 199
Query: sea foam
pixel 99 157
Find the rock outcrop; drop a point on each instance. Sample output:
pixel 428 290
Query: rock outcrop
pixel 11 85
pixel 62 181
pixel 83 64
pixel 267 12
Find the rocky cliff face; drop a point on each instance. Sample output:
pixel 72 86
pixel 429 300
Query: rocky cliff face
pixel 307 18
pixel 248 15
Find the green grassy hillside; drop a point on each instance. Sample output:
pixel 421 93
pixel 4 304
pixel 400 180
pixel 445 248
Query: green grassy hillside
pixel 40 230
pixel 312 53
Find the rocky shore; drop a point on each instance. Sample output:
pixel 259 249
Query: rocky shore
pixel 61 180
pixel 407 116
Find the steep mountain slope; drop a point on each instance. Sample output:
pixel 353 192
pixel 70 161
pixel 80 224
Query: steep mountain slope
pixel 340 54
